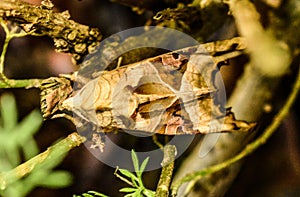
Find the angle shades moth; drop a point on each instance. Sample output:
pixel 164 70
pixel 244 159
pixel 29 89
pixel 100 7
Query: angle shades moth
pixel 168 94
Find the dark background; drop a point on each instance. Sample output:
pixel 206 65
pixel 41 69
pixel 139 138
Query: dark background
pixel 273 170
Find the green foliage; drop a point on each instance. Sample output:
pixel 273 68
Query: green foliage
pixel 90 194
pixel 17 143
pixel 134 180
pixel 137 188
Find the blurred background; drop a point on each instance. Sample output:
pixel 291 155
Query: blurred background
pixel 274 170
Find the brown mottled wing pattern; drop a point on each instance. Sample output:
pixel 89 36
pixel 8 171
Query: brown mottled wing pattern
pixel 173 93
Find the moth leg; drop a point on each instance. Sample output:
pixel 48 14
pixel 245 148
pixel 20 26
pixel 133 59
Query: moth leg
pixel 98 141
pixel 69 117
pixel 119 62
pixel 71 77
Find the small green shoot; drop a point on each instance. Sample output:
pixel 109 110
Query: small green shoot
pixel 137 188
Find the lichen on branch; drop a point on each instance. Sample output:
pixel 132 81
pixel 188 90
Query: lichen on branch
pixel 68 36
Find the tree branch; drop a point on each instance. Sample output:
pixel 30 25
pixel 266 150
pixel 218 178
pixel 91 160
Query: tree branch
pixel 254 89
pixel 167 171
pixel 21 83
pixel 69 36
pixel 62 147
pixel 250 148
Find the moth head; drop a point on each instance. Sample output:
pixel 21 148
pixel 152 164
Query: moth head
pixel 68 104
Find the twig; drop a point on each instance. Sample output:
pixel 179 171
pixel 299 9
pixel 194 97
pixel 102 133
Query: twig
pixel 5 45
pixel 69 36
pixel 65 145
pixel 21 83
pixel 276 55
pixel 167 171
pixel 250 148
pixel 155 141
pixel 254 89
pixel 123 178
pixel 10 34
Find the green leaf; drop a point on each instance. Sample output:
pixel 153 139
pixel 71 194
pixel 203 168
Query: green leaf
pixel 87 195
pixel 129 195
pixel 142 168
pixel 137 193
pixel 96 193
pixel 135 161
pixel 128 174
pixel 56 179
pixel 148 193
pixel 127 189
pixel 8 112
pixel 30 149
pixel 29 125
pixel 136 180
pixel 12 154
pixel 19 137
pixel 4 164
